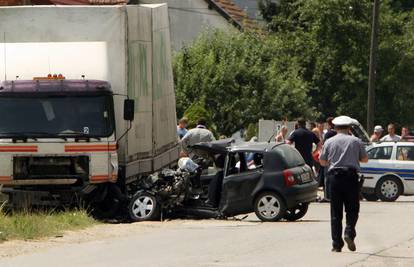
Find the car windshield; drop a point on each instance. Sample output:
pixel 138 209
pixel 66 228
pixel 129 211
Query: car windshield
pixel 291 156
pixel 56 116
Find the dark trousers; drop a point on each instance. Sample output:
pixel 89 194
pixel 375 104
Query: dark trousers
pixel 344 192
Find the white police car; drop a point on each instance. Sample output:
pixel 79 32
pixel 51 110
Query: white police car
pixel 389 172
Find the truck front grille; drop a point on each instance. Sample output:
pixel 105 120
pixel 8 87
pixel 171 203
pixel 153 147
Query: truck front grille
pixel 58 167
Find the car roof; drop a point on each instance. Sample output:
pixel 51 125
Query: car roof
pixel 388 143
pixel 254 147
pixel 231 145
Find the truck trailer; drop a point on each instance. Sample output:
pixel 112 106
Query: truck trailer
pixel 86 100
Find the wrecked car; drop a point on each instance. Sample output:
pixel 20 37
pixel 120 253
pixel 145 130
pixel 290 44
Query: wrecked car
pixel 229 179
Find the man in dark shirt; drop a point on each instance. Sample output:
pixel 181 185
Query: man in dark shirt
pixel 304 140
pixel 331 131
pixel 323 181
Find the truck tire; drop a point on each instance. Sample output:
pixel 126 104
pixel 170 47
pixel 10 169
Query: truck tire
pixel 370 197
pixel 388 188
pixel 269 207
pixel 144 207
pixel 105 202
pixel 297 212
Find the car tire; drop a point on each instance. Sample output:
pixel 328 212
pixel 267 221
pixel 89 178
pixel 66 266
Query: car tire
pixel 269 207
pixel 388 188
pixel 297 212
pixel 144 207
pixel 370 197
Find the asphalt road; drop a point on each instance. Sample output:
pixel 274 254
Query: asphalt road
pixel 385 238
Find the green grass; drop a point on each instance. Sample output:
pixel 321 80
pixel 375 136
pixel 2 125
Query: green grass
pixel 38 224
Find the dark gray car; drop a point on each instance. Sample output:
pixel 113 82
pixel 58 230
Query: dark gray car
pixel 270 179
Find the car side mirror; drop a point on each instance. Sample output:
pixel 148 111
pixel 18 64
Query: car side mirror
pixel 129 109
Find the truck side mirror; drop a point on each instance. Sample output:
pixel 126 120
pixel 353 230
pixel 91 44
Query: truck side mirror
pixel 129 109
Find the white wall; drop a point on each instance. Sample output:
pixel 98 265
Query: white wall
pixel 188 18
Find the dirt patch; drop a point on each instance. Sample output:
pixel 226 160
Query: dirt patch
pixel 98 232
pixel 102 232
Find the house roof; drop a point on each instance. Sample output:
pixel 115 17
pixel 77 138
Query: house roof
pixel 233 13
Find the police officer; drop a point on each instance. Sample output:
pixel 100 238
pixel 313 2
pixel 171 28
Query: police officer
pixel 342 154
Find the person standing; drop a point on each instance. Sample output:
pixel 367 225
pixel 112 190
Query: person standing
pixel 330 131
pixel 377 134
pixel 182 128
pixel 281 136
pixel 304 140
pixel 405 134
pixel 341 156
pixel 391 136
pixel 321 126
pixel 323 181
pixel 199 134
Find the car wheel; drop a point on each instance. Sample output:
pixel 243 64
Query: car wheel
pixel 297 212
pixel 370 197
pixel 269 207
pixel 144 207
pixel 388 188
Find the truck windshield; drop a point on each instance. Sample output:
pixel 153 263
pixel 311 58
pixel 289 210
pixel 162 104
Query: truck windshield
pixel 50 116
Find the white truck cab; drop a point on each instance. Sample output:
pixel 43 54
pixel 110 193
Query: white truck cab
pixel 63 137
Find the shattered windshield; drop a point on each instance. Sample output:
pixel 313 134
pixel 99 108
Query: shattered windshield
pixel 56 116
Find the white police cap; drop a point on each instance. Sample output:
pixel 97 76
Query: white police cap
pixel 343 121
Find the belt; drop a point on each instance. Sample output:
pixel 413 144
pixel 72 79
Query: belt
pixel 342 171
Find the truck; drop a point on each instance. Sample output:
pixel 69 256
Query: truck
pixel 87 103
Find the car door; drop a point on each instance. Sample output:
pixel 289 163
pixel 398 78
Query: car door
pixel 381 160
pixel 404 164
pixel 238 184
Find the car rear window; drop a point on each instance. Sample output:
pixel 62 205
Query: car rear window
pixel 292 156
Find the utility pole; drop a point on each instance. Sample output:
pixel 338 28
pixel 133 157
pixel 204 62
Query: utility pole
pixel 372 67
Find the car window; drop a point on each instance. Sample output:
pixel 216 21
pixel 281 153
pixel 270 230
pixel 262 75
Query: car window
pixel 383 152
pixel 234 164
pixel 405 153
pixel 291 156
pixel 254 161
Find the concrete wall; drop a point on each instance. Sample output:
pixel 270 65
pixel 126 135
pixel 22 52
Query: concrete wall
pixel 188 18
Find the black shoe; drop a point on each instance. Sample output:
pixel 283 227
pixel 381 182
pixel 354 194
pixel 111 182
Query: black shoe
pixel 336 249
pixel 350 243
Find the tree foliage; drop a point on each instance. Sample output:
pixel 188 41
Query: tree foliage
pixel 240 78
pixel 333 38
pixel 312 61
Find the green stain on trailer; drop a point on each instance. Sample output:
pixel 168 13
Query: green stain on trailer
pixel 138 72
pixel 161 75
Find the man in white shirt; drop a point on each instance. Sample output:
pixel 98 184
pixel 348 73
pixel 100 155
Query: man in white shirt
pixel 196 135
pixel 391 136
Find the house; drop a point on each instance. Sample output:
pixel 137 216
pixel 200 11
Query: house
pixel 251 7
pixel 188 18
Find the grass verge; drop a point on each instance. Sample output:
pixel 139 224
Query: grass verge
pixel 38 224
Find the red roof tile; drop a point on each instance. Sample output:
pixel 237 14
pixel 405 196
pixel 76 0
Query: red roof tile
pixel 234 12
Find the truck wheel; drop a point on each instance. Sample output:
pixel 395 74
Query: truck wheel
pixel 269 207
pixel 144 207
pixel 297 212
pixel 388 188
pixel 370 197
pixel 106 209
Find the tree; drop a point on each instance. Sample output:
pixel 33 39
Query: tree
pixel 240 78
pixel 332 40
